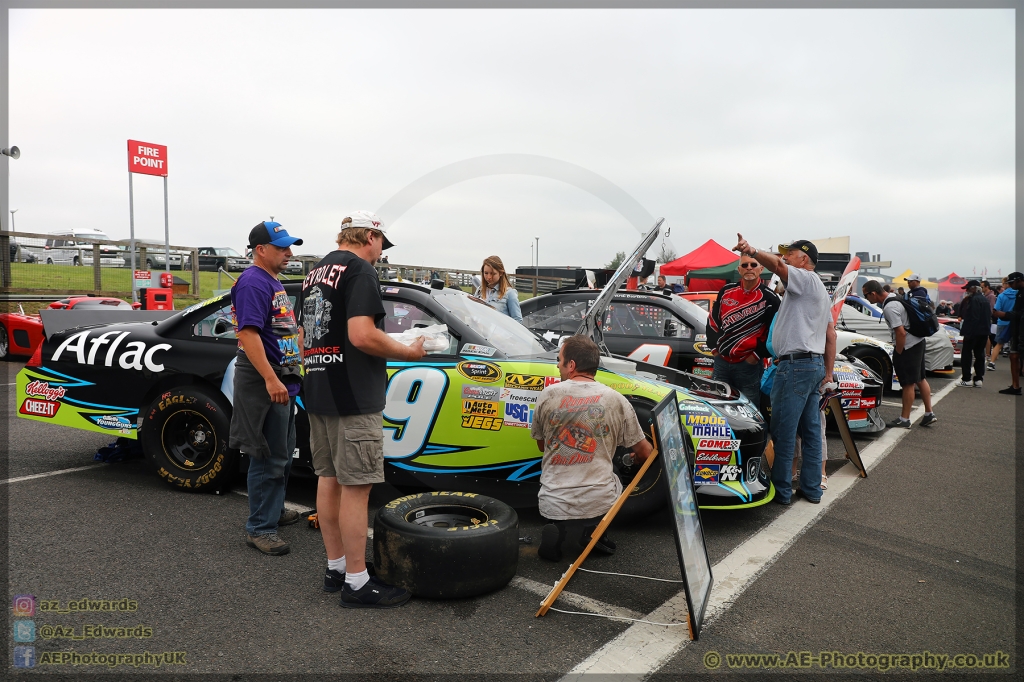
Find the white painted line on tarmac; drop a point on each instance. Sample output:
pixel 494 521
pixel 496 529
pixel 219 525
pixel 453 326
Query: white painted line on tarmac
pixel 49 473
pixel 299 508
pixel 577 601
pixel 891 404
pixel 642 648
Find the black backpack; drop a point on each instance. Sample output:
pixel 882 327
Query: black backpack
pixel 921 312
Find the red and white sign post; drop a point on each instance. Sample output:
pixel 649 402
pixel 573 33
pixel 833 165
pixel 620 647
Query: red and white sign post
pixel 149 159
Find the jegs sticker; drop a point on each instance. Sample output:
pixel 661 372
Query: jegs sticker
pixel 481 423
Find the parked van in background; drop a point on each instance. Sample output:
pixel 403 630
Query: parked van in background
pixel 67 248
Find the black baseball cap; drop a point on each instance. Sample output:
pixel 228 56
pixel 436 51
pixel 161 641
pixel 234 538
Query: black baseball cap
pixel 272 233
pixel 971 283
pixel 1014 277
pixel 803 245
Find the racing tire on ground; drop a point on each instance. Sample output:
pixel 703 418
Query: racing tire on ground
pixel 877 361
pixel 444 545
pixel 5 343
pixel 651 493
pixel 184 435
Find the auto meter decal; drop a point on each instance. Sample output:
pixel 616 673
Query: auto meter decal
pixel 481 407
pixel 484 372
pixel 528 382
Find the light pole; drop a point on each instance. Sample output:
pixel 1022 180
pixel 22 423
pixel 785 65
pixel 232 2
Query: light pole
pixel 537 239
pixel 13 211
pixel 531 254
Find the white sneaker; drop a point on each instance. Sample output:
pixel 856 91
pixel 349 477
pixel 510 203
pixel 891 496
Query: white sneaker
pixel 965 383
pixel 978 383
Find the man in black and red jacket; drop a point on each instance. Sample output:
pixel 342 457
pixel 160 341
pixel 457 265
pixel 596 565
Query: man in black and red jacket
pixel 738 329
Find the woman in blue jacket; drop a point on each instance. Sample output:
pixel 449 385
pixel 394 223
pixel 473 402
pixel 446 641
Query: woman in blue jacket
pixel 497 290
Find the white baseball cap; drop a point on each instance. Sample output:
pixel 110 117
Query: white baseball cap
pixel 367 219
pixel 914 276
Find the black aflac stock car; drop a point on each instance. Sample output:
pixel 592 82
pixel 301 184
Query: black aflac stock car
pixel 458 419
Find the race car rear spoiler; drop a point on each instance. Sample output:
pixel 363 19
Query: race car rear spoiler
pixel 55 320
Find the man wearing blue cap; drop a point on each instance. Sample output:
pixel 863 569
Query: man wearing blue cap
pixel 267 378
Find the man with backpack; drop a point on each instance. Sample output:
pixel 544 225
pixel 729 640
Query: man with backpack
pixel 904 318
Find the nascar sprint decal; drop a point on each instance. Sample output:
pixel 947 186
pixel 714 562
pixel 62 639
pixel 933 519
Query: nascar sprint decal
pixel 48 396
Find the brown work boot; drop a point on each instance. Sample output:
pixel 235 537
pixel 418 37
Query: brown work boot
pixel 268 544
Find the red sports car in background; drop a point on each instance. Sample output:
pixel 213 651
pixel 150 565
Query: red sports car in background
pixel 21 333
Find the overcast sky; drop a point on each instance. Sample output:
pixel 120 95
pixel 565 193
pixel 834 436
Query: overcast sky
pixel 893 127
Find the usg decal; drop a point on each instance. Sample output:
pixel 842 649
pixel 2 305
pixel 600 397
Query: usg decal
pixel 134 355
pixel 484 372
pixel 518 414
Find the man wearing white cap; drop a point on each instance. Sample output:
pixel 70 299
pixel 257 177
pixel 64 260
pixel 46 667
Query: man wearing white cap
pixel 914 287
pixel 346 377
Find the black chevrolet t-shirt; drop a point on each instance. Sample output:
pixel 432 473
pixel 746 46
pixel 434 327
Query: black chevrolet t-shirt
pixel 340 378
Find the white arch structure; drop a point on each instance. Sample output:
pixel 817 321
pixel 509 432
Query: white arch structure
pixel 517 164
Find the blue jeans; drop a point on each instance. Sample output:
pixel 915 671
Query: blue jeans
pixel 743 376
pixel 268 478
pixel 795 408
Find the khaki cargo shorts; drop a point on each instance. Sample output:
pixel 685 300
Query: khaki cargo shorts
pixel 349 447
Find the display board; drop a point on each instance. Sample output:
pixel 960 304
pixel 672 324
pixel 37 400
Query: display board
pixel 689 533
pixel 835 410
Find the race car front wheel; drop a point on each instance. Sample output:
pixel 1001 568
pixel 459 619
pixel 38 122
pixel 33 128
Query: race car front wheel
pixel 651 492
pixel 185 436
pixel 445 545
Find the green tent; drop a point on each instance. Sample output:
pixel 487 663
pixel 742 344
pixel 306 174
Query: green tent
pixel 727 272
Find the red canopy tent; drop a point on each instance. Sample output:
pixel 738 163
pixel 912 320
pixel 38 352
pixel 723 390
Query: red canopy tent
pixel 951 287
pixel 707 255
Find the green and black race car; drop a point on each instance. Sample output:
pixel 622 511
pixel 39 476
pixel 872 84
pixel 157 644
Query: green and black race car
pixel 457 419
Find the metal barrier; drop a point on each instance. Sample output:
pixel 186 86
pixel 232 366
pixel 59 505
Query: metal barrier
pixel 33 262
pixel 525 284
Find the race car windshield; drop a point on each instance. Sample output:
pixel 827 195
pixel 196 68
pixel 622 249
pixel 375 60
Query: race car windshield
pixel 500 331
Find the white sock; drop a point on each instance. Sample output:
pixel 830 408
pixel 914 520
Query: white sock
pixel 337 564
pixel 929 414
pixel 357 580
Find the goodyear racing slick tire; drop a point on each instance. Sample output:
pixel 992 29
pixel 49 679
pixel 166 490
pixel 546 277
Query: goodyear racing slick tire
pixel 651 493
pixel 877 361
pixel 184 434
pixel 445 545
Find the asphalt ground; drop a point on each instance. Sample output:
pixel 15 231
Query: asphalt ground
pixel 117 532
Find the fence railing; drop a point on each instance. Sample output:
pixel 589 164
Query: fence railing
pixel 524 284
pixel 33 262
